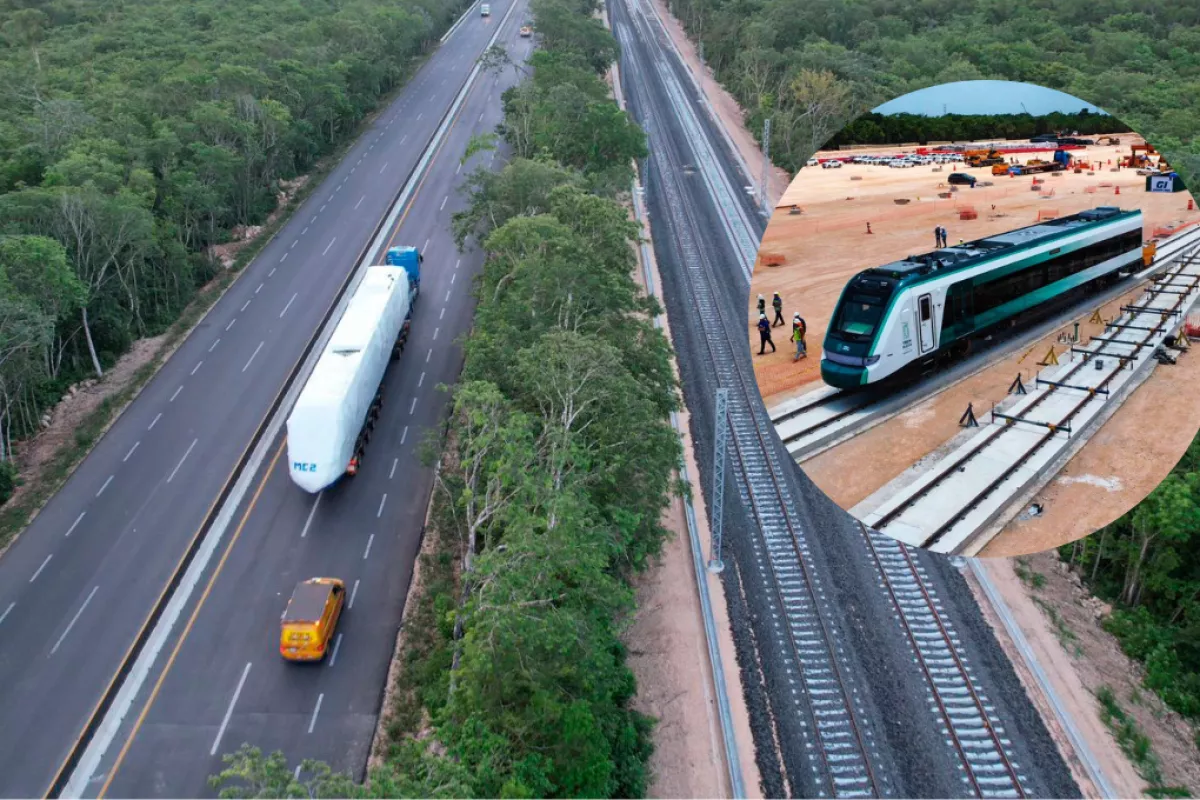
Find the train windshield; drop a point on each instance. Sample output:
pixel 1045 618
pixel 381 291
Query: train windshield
pixel 858 317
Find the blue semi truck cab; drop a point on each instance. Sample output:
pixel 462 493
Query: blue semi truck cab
pixel 410 259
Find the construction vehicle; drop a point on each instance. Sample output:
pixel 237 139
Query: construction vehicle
pixel 983 158
pixel 1111 140
pixel 1140 156
pixel 333 417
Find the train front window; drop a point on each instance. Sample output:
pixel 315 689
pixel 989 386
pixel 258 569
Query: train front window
pixel 858 317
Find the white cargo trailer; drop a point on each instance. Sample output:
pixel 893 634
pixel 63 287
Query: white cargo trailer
pixel 337 408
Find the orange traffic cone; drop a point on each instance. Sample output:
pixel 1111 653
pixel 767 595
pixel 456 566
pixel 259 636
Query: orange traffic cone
pixel 1191 204
pixel 1118 190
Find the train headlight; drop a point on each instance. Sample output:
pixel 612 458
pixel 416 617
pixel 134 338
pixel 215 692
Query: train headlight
pixel 870 360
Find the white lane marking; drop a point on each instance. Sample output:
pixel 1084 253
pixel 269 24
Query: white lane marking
pixel 353 594
pixel 420 115
pixel 271 274
pixel 76 522
pixel 285 255
pixel 403 436
pixel 74 619
pixel 131 688
pixel 311 512
pixel 177 391
pixel 453 275
pixel 127 455
pixel 395 461
pixel 42 567
pixel 420 380
pixel 337 645
pixel 313 723
pixel 213 346
pixel 339 188
pixel 359 203
pixel 443 83
pixel 229 711
pixel 252 355
pixel 150 427
pixel 381 169
pixel 323 206
pixel 428 355
pixel 444 199
pixel 382 500
pixel 458 169
pixel 314 219
pixel 292 246
pixel 413 407
pixel 352 169
pixel 196 367
pixel 296 774
pixel 367 552
pixel 105 486
pixel 4 616
pixel 435 333
pixel 247 303
pixel 442 313
pixel 289 305
pixel 359 160
pixel 426 247
pixel 259 289
pixel 331 241
pixel 456 263
pixel 402 138
pixel 230 325
pixel 481 117
pixel 185 455
pixel 447 300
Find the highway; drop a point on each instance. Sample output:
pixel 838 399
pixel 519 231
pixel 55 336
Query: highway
pixel 868 670
pixel 77 586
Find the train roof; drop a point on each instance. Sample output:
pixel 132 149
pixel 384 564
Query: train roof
pixel 972 253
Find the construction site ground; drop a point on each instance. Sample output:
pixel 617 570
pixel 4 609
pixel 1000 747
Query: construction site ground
pixel 1062 624
pixel 818 262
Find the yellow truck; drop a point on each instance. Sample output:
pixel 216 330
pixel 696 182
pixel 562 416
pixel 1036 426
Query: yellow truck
pixel 308 622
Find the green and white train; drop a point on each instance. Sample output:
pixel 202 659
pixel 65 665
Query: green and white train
pixel 906 314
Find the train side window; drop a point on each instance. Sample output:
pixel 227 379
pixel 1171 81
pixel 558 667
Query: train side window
pixel 925 314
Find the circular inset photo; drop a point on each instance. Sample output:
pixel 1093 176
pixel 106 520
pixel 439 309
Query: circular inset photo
pixel 971 318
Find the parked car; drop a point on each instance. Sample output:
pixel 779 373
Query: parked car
pixel 961 179
pixel 831 164
pixel 526 31
pixel 812 162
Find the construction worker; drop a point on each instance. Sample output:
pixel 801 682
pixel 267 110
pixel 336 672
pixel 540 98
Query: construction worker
pixel 762 305
pixel 777 304
pixel 799 328
pixel 937 236
pixel 764 333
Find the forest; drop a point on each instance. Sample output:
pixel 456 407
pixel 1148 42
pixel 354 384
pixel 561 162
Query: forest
pixel 1147 564
pixel 136 135
pixel 559 461
pixel 813 65
pixel 872 128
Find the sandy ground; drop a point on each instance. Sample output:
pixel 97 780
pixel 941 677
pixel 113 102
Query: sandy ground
pixel 826 244
pixel 1117 468
pixel 1078 657
pixel 731 114
pixel 669 656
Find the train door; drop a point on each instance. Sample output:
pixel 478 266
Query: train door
pixel 925 323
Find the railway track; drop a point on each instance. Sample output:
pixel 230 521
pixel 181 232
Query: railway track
pixel 985 760
pixel 839 741
pixel 840 744
pixel 942 497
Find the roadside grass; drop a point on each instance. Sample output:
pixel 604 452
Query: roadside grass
pixel 1066 636
pixel 1136 745
pixel 1028 576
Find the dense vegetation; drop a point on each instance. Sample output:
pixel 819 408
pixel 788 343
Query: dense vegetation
pixel 811 65
pixel 872 128
pixel 1147 564
pixel 134 135
pixel 559 467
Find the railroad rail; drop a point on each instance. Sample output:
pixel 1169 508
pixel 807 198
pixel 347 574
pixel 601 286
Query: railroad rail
pixel 822 691
pixel 985 761
pixel 841 744
pixel 939 496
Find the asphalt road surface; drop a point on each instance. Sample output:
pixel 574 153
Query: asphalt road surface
pixel 78 584
pixel 909 744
